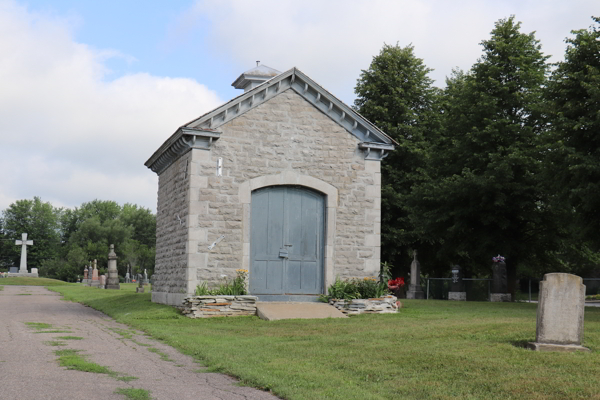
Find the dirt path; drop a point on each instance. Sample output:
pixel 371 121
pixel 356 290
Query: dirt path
pixel 29 368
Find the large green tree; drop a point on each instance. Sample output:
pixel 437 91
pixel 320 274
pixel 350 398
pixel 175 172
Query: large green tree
pixel 483 195
pixel 397 95
pixel 40 220
pixel 574 108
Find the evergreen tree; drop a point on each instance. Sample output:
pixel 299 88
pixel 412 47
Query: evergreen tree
pixel 397 95
pixel 484 195
pixel 574 104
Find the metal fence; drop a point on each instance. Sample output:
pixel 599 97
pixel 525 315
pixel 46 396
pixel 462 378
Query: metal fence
pixel 476 289
pixel 479 289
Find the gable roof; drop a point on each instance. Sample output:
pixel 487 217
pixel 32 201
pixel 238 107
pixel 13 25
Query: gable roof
pixel 202 131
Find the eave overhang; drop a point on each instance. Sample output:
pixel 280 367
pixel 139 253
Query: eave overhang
pixel 374 142
pixel 183 140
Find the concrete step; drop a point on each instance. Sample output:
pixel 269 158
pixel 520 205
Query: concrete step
pixel 273 311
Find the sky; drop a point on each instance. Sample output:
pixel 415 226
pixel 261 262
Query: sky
pixel 90 89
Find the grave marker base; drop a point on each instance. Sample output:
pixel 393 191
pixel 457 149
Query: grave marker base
pixel 556 347
pixel 458 296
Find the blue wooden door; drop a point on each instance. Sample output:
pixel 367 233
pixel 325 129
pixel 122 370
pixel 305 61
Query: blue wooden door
pixel 287 228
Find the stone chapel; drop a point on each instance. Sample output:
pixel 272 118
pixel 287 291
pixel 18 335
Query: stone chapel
pixel 283 181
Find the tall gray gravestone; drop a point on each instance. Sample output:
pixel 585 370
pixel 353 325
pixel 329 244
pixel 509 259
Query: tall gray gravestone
pixel 457 286
pixel 560 314
pixel 113 275
pixel 499 281
pixel 414 290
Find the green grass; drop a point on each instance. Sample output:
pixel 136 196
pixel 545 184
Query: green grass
pixel 163 356
pixel 71 359
pixel 55 343
pixel 429 350
pixel 24 281
pixel 70 338
pixel 1 288
pixel 134 394
pixel 38 325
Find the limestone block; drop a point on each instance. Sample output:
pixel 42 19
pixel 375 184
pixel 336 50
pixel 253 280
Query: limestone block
pixel 560 311
pixel 458 296
pixel 500 297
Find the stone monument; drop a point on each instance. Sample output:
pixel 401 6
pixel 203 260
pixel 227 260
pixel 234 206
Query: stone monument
pixel 113 275
pixel 127 277
pixel 140 288
pixel 102 280
pixel 95 282
pixel 414 290
pixel 23 243
pixel 457 286
pixel 85 275
pixel 146 282
pixel 500 281
pixel 560 314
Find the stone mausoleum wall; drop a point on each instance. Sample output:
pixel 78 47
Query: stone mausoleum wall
pixel 287 137
pixel 172 233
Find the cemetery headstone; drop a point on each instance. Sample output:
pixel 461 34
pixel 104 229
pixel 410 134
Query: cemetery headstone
pixel 560 314
pixel 127 278
pixel 145 277
pixel 457 287
pixel 23 243
pixel 85 274
pixel 95 281
pixel 414 290
pixel 499 280
pixel 33 273
pixel 13 270
pixel 90 273
pixel 140 288
pixel 113 275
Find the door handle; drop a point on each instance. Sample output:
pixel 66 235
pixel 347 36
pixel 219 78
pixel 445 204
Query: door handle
pixel 283 253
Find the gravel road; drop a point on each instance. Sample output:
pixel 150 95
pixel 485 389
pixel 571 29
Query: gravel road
pixel 29 368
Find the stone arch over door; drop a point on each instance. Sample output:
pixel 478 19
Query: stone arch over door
pixel 290 178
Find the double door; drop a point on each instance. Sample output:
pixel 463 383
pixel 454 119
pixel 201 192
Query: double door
pixel 287 233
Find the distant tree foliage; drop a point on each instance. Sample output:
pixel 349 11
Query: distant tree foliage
pixel 65 240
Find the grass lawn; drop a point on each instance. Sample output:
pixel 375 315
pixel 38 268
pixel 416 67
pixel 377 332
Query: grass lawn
pixel 21 280
pixel 429 350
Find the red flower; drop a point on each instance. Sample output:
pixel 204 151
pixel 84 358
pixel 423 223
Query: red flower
pixel 394 284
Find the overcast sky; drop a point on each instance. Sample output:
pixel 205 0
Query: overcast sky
pixel 90 89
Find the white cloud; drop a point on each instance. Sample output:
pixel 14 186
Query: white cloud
pixel 67 133
pixel 333 40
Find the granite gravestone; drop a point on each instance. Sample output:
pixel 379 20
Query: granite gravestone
pixel 140 288
pixel 414 290
pixel 499 281
pixel 560 314
pixel 23 243
pixel 95 282
pixel 113 275
pixel 457 287
pixel 146 278
pixel 85 274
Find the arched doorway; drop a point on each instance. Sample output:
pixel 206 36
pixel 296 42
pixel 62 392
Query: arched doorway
pixel 286 241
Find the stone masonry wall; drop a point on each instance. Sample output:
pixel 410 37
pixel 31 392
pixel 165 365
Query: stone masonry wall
pixel 285 133
pixel 171 228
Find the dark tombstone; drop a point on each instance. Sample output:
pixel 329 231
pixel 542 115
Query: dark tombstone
pixel 499 281
pixel 140 288
pixel 457 287
pixel 13 270
pixel 414 290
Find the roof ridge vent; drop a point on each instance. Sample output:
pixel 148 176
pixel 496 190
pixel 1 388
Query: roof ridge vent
pixel 254 77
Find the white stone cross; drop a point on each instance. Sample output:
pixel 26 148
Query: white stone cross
pixel 24 243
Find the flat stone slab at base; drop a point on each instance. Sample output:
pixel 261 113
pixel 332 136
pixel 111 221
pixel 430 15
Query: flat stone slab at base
pixel 556 347
pixel 23 275
pixel 273 311
pixel 418 294
pixel 139 289
pixel 500 297
pixel 457 296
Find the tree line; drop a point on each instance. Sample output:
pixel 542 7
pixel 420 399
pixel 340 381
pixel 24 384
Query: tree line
pixel 65 240
pixel 504 160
